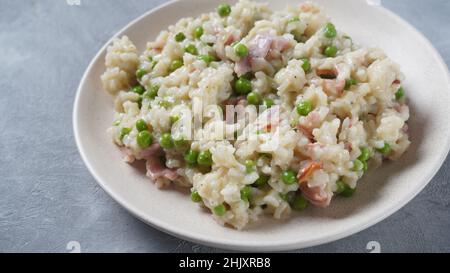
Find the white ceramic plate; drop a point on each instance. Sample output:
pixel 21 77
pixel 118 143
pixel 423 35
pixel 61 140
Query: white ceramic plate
pixel 380 193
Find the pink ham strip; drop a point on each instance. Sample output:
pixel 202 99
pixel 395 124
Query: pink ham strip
pixel 305 173
pixel 155 167
pixel 259 48
pixel 280 44
pixel 306 132
pixel 316 195
pixel 243 66
pixel 334 87
pixel 152 151
pixel 348 146
pixel 230 39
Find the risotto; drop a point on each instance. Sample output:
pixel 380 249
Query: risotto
pixel 256 111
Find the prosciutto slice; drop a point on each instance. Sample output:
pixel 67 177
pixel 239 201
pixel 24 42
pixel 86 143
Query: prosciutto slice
pixel 156 169
pixel 259 47
pixel 152 151
pixel 155 166
pixel 316 195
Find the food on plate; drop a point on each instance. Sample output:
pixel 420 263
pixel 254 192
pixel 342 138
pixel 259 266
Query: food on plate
pixel 256 111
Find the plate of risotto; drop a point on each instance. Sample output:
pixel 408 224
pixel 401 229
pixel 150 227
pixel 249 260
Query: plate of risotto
pixel 260 126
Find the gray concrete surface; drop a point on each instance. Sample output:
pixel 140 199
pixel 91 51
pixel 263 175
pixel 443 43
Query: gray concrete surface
pixel 47 196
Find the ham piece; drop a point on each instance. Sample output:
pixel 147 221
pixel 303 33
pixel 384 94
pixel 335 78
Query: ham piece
pixel 155 166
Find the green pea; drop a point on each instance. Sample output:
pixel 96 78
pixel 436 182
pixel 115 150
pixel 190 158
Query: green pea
pixel 191 157
pixel 262 180
pixel 268 103
pixel 241 50
pixel 141 73
pixel 246 193
pixel 330 51
pixel 288 197
pixel 138 90
pixel 191 49
pixel 288 177
pixel 175 65
pixel 164 103
pixel 139 102
pixel 365 154
pixel 357 165
pixel 180 37
pixel 365 166
pixel 254 98
pixel 220 210
pixel 304 108
pixel 330 31
pixel 174 119
pixel 195 197
pixel 141 125
pixel 294 19
pixel 248 76
pixel 144 139
pixel 166 141
pixel 198 32
pixel 344 189
pixel 400 93
pixel 386 149
pixel 206 58
pixel 124 132
pixel 205 159
pixel 340 186
pixel 349 83
pixel 180 142
pixel 348 192
pixel 243 86
pixel 306 65
pixel 250 166
pixel 299 203
pixel 152 92
pixel 224 10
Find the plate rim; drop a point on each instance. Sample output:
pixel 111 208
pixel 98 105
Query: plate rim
pixel 239 245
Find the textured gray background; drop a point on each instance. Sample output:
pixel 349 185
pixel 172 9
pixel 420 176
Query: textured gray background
pixel 47 196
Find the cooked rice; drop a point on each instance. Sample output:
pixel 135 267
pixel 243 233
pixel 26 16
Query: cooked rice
pixel 321 146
